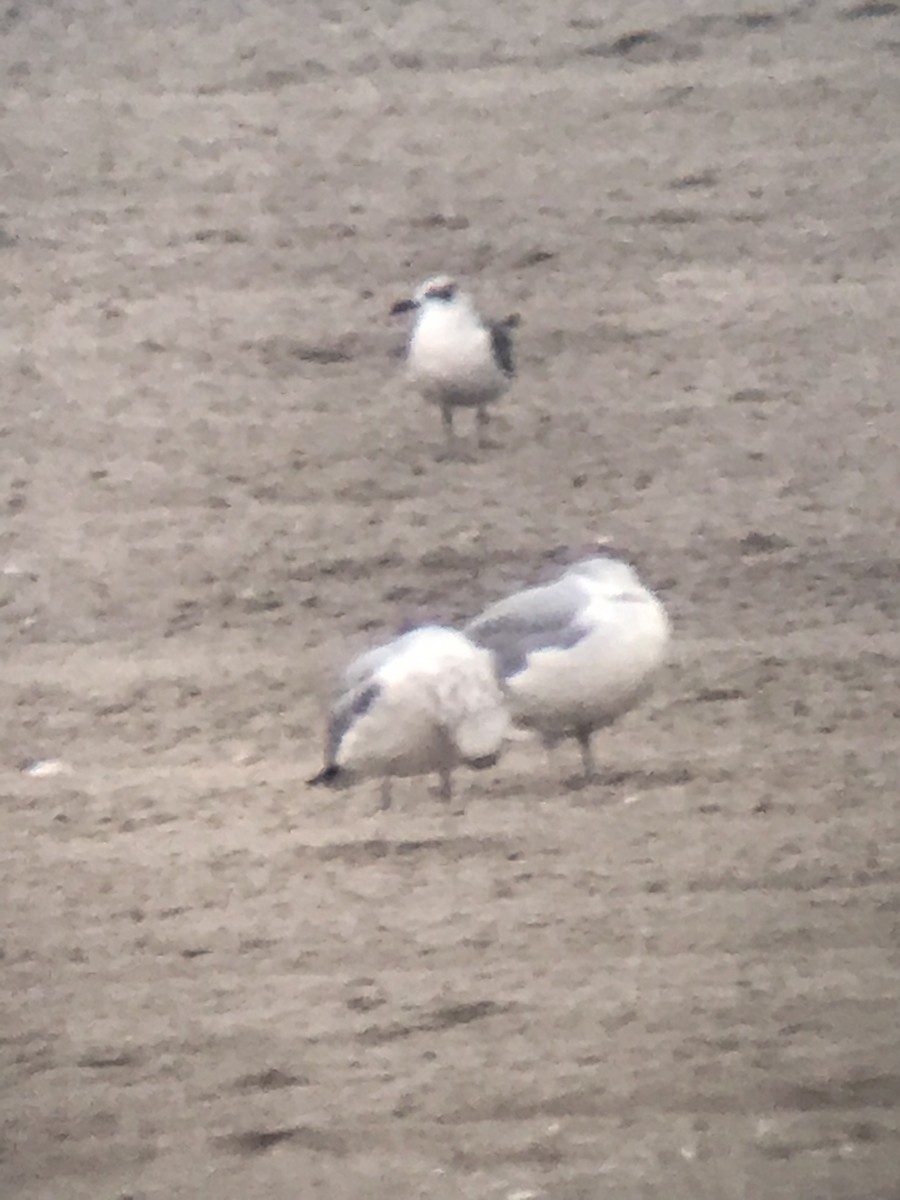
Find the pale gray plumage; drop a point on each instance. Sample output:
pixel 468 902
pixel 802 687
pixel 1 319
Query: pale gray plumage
pixel 575 654
pixel 540 618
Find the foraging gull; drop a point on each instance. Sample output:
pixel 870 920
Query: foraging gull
pixel 455 357
pixel 427 701
pixel 574 655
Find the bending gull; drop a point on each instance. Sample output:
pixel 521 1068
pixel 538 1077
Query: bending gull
pixel 574 655
pixel 426 701
pixel 455 357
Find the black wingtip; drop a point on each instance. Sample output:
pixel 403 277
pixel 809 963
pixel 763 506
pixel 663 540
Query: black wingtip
pixel 327 777
pixel 484 762
pixel 502 343
pixel 403 306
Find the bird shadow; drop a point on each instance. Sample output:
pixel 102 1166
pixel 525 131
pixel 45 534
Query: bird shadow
pixel 369 850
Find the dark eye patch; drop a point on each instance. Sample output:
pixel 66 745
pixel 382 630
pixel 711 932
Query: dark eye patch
pixel 446 292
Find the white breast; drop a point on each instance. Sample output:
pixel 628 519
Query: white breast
pixel 451 359
pixel 602 676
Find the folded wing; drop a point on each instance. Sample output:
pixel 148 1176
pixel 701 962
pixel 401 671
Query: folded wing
pixel 541 618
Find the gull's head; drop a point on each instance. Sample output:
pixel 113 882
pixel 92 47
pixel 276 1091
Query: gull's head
pixel 599 560
pixel 569 554
pixel 440 289
pixel 608 565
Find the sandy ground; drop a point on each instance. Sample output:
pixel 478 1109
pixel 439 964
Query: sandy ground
pixel 683 981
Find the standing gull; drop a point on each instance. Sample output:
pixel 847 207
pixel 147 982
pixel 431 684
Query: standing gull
pixel 455 357
pixel 574 655
pixel 427 701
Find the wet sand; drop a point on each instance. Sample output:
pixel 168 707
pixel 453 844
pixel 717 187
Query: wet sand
pixel 680 981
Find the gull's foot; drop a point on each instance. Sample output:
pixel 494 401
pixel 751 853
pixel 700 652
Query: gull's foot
pixel 385 796
pixel 456 452
pixel 577 783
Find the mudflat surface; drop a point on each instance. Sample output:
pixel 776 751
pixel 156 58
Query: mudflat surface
pixel 682 981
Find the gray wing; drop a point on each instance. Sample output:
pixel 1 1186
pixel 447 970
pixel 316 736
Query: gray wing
pixel 357 692
pixel 542 618
pixel 502 344
pixel 365 665
pixel 347 710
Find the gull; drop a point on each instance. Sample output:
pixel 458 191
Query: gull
pixel 575 654
pixel 455 357
pixel 427 701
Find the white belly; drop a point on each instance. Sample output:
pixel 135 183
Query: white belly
pixel 452 365
pixel 394 740
pixel 594 682
pixel 437 706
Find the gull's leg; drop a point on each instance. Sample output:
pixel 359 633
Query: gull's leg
pixel 483 419
pixel 446 793
pixel 385 796
pixel 587 754
pixel 451 448
pixel 447 421
pixel 550 742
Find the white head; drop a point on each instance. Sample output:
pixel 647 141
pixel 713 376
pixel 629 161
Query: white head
pixel 605 564
pixel 612 574
pixel 440 290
